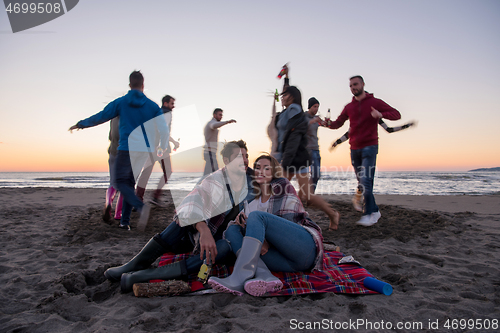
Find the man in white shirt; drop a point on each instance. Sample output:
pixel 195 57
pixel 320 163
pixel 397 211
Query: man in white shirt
pixel 211 132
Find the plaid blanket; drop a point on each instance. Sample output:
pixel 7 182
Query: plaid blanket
pixel 341 279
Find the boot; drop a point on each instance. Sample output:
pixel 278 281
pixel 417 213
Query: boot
pixel 139 191
pixel 244 268
pixel 110 196
pixel 149 253
pixel 118 208
pixel 169 272
pixel 263 282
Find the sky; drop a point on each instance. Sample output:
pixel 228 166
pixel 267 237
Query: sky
pixel 434 61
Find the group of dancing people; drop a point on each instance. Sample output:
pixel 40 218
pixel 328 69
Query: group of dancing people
pixel 250 217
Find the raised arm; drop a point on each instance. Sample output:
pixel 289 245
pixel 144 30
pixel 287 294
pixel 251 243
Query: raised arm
pixel 221 123
pixel 109 112
pixel 272 133
pixel 286 82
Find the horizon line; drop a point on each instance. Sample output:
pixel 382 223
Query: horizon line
pixel 201 171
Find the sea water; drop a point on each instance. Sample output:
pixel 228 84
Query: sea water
pixel 386 182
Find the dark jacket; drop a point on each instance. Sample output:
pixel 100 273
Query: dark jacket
pixel 295 154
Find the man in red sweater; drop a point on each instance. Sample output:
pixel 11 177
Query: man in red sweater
pixel 364 113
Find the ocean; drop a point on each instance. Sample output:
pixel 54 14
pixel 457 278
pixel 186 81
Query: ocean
pixel 386 182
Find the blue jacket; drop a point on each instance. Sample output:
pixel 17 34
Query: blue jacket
pixel 134 109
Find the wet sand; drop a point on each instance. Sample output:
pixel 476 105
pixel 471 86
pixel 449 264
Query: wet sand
pixel 440 253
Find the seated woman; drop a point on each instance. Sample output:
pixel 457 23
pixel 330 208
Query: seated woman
pixel 277 234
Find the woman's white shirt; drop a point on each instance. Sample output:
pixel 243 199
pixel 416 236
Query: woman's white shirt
pixel 258 205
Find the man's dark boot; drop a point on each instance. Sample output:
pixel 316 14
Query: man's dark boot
pixel 176 270
pixel 149 253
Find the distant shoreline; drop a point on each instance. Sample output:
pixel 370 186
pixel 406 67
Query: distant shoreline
pixel 486 169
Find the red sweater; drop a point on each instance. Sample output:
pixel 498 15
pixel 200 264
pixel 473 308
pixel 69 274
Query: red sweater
pixel 363 132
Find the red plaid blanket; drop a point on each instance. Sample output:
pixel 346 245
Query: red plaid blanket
pixel 341 279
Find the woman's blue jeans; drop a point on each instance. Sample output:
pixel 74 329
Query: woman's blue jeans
pixel 291 246
pixel 363 160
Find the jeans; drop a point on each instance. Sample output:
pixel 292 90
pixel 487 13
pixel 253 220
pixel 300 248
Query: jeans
pixel 363 160
pixel 125 183
pixel 315 168
pixel 210 162
pixel 112 176
pixel 178 240
pixel 291 246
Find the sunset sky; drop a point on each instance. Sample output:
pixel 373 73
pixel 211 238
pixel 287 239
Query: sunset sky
pixel 437 62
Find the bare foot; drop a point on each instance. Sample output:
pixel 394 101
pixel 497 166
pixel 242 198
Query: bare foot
pixel 334 220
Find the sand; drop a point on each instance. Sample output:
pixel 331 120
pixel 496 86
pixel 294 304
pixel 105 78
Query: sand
pixel 440 253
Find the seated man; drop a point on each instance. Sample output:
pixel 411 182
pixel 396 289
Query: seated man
pixel 198 225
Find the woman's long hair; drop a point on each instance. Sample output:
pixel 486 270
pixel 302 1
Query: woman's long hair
pixel 296 95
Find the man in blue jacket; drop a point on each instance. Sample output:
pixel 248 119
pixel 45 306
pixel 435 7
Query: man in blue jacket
pixel 140 121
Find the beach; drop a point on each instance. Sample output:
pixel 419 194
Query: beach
pixel 441 254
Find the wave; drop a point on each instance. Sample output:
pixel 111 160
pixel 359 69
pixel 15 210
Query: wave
pixel 409 183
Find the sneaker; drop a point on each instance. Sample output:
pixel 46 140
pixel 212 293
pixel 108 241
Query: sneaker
pixel 124 226
pixel 365 221
pixel 375 216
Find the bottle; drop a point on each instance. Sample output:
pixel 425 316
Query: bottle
pixel 328 117
pixel 204 272
pixel 277 96
pixel 159 152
